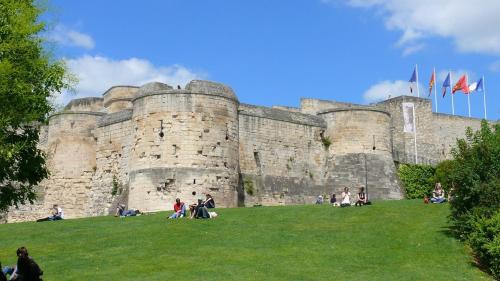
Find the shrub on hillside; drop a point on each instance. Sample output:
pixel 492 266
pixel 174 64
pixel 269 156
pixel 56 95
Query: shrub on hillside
pixel 485 241
pixel 418 180
pixel 476 193
pixel 443 174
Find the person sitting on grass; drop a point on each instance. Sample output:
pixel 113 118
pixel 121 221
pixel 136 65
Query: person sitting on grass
pixel 209 202
pixel 319 200
pixel 346 198
pixel 26 270
pixel 179 209
pixel 361 197
pixel 3 277
pixel 57 214
pixel 192 207
pixel 333 200
pixel 201 209
pixel 438 194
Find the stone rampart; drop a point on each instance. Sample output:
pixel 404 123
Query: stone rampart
pixel 184 141
pixel 282 157
pixel 145 146
pixel 361 151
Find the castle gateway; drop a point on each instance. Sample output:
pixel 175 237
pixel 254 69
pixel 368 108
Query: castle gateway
pixel 145 146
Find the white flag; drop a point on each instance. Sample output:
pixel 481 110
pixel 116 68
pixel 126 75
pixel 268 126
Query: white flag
pixel 473 87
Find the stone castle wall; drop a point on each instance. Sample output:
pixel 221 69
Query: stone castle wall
pixel 197 152
pixel 361 150
pixel 282 157
pixel 146 146
pixel 436 133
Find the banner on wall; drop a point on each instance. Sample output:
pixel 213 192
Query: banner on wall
pixel 409 117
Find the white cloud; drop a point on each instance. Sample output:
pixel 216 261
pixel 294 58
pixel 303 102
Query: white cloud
pixel 411 49
pixel 96 74
pixel 495 66
pixel 472 25
pixel 69 37
pixel 389 89
pixel 455 75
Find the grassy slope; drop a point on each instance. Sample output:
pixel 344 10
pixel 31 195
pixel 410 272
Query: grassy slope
pixel 394 240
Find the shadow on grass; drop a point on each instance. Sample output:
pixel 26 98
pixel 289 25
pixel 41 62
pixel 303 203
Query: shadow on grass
pixel 452 231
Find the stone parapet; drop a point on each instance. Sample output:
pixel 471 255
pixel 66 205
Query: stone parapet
pixel 281 115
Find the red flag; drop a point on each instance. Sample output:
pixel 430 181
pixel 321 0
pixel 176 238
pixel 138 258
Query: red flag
pixel 431 84
pixel 461 85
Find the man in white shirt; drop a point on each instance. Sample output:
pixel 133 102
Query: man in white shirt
pixel 57 213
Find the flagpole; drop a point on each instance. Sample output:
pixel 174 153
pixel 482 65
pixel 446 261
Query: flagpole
pixel 416 70
pixel 415 131
pixel 484 99
pixel 435 95
pixel 468 94
pixel 451 92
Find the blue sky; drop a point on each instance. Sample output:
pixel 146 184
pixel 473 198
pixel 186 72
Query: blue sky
pixel 275 52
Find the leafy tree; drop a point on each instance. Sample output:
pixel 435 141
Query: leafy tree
pixel 477 172
pixel 476 193
pixel 28 77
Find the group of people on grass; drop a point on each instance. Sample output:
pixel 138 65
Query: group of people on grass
pixel 197 210
pixel 345 201
pixel 200 209
pixel 26 269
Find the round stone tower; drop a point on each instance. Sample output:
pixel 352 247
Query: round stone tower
pixel 361 151
pixel 118 98
pixel 71 150
pixel 186 140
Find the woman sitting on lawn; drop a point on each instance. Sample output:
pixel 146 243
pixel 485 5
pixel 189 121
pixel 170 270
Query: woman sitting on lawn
pixel 438 194
pixel 361 197
pixel 209 202
pixel 346 198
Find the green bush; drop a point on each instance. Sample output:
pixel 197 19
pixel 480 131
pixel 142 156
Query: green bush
pixel 326 142
pixel 475 177
pixel 444 171
pixel 418 180
pixel 485 241
pixel 248 186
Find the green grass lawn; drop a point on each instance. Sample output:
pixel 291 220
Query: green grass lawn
pixel 391 240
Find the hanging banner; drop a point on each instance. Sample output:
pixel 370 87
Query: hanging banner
pixel 409 117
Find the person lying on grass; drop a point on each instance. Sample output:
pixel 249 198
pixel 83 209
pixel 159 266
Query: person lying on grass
pixel 122 211
pixel 179 209
pixel 438 194
pixel 57 214
pixel 346 198
pixel 361 197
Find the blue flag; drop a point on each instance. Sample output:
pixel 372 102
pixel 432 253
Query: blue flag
pixel 480 86
pixel 446 84
pixel 414 76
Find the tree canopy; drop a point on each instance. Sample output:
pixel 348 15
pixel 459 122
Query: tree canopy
pixel 29 76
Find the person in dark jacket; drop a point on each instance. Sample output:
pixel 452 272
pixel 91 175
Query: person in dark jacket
pixel 2 275
pixel 27 268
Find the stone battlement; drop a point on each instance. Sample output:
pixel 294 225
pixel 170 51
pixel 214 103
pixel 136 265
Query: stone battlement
pixel 145 146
